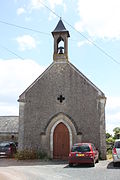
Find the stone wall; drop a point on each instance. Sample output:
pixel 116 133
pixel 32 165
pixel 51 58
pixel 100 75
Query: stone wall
pixel 41 104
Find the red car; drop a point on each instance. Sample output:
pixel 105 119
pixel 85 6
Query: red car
pixel 83 153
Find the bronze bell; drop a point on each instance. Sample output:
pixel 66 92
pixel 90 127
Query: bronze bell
pixel 60 50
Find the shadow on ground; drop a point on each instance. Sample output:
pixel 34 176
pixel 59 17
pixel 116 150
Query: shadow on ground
pixel 5 162
pixel 111 166
pixel 79 166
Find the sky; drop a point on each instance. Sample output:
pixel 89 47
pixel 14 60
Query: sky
pixel 26 47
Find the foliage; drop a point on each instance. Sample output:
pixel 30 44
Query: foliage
pixel 111 139
pixel 116 132
pixel 31 154
pixel 109 154
pixel 108 135
pixel 26 154
pixel 41 155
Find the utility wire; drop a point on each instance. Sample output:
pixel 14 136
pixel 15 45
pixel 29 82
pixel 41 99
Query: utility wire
pixel 50 9
pixel 12 52
pixel 22 27
pixel 90 41
pixel 37 31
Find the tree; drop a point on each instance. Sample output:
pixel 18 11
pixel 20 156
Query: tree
pixel 108 135
pixel 116 132
pixel 109 141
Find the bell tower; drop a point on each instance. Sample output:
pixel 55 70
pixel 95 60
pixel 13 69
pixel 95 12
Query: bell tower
pixel 60 35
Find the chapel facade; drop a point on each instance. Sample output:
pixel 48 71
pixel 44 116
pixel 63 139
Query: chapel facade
pixel 61 107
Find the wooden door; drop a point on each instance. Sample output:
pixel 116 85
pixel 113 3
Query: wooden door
pixel 61 142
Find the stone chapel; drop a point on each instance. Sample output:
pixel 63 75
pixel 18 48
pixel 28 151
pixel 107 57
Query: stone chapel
pixel 61 107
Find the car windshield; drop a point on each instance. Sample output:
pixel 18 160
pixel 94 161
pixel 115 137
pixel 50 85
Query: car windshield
pixel 4 146
pixel 81 148
pixel 117 144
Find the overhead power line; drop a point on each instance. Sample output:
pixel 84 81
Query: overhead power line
pixel 90 41
pixel 37 31
pixel 22 27
pixel 12 52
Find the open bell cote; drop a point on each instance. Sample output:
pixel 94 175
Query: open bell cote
pixel 60 35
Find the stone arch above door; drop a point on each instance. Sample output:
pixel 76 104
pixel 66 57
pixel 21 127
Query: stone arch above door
pixel 60 118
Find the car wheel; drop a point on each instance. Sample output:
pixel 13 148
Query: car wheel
pixel 71 164
pixel 114 164
pixel 93 164
pixel 97 161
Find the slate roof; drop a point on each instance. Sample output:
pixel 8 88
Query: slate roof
pixel 60 28
pixel 9 124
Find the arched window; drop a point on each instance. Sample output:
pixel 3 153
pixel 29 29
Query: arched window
pixel 60 45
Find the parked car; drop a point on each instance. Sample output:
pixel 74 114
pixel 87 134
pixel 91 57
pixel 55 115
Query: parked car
pixel 7 149
pixel 116 152
pixel 83 153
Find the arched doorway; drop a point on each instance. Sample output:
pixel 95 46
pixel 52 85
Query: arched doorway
pixel 61 142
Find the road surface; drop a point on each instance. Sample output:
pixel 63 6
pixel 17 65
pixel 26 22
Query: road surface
pixel 11 169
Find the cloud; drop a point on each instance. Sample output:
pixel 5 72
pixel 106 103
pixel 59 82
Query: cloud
pixel 36 4
pixel 112 113
pixel 26 42
pixel 99 19
pixel 16 75
pixel 20 11
pixel 114 117
pixel 52 4
pixel 9 109
pixel 82 43
pixel 113 103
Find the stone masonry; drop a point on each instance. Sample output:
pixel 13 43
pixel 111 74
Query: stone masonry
pixel 82 109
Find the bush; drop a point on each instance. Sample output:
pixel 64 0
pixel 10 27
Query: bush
pixel 42 155
pixel 109 154
pixel 26 154
pixel 30 154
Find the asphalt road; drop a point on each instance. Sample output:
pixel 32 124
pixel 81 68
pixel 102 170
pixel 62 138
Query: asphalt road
pixel 35 170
